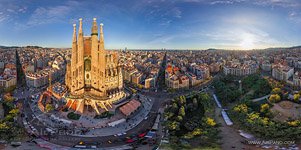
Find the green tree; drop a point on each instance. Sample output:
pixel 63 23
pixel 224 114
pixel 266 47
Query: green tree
pixel 179 118
pixel 197 131
pixel 210 122
pixel 173 125
pixel 188 135
pixel 182 100
pixel 49 107
pixel 168 115
pixel 276 91
pixel 182 111
pixel 175 107
pixel 9 118
pixel 243 108
pixel 264 108
pixel 296 97
pixel 274 98
pixel 4 126
pixel 14 112
pixel 195 102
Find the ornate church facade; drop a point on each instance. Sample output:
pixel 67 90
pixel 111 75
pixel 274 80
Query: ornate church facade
pixel 93 78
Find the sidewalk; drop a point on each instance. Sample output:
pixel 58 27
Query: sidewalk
pixel 24 146
pixel 48 145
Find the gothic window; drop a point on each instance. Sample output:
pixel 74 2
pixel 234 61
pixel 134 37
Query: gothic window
pixel 87 65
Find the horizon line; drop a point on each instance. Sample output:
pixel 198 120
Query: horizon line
pixel 163 48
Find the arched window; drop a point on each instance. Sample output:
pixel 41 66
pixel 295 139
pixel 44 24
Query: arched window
pixel 87 65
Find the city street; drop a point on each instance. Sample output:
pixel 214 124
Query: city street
pixel 68 140
pixel 64 138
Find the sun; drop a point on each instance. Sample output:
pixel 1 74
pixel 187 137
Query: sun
pixel 247 42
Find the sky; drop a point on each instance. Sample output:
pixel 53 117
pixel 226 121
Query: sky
pixel 154 24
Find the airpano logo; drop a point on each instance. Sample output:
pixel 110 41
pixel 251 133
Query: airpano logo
pixel 270 142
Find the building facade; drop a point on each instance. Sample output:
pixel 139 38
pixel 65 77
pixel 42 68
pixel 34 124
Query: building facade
pixel 93 77
pixel 282 72
pixel 266 66
pixel 8 82
pixel 240 69
pixel 297 79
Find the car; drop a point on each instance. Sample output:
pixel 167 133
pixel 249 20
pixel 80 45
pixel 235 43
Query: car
pixel 142 135
pixel 93 146
pixel 144 143
pixel 15 144
pixel 119 134
pixel 81 143
pixel 80 146
pixel 130 141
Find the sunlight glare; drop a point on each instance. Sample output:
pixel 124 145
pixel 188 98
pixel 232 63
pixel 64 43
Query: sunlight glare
pixel 247 42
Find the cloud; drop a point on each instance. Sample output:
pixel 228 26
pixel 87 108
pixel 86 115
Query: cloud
pixel 9 10
pixel 213 2
pixel 158 12
pixel 175 12
pixel 221 2
pixel 295 16
pixel 281 3
pixel 44 15
pixel 2 18
pixel 272 3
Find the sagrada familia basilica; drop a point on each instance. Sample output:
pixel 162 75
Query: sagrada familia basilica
pixel 93 78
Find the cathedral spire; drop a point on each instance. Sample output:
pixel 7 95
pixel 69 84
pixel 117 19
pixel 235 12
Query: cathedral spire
pixel 94 28
pixel 74 59
pixel 101 39
pixel 80 56
pixel 74 33
pixel 80 32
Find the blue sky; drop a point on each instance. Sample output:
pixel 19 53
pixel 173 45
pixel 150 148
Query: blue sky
pixel 155 24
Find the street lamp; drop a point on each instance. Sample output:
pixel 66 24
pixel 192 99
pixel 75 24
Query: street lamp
pixel 240 86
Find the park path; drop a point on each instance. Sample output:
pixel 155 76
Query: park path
pixel 230 136
pixel 261 98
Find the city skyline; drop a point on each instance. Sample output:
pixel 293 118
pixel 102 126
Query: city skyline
pixel 150 74
pixel 180 24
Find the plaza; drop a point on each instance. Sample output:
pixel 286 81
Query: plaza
pixel 87 125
